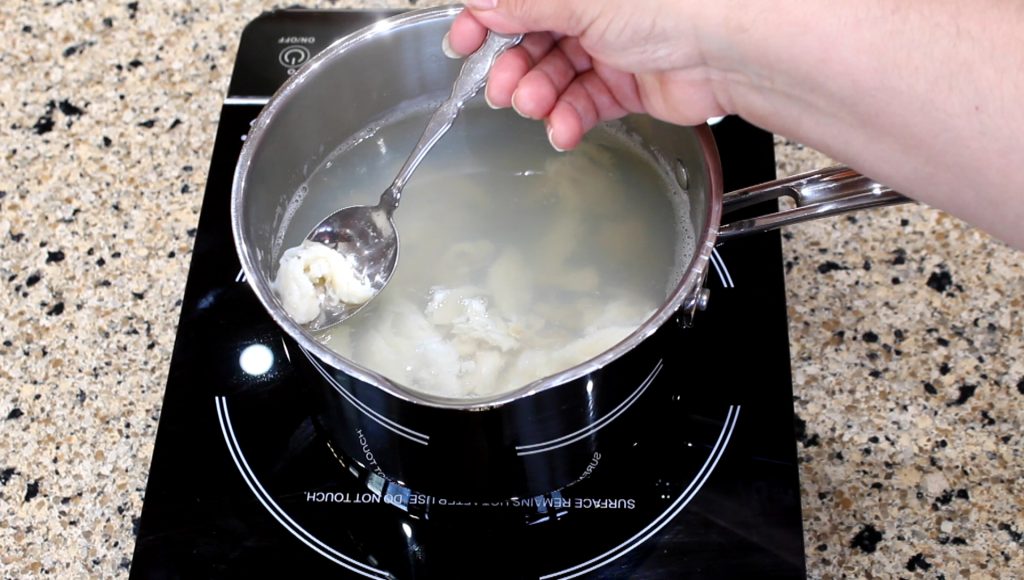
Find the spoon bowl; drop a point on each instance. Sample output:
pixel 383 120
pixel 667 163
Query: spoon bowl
pixel 368 234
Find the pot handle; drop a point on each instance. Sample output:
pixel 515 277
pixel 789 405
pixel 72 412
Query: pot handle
pixel 817 194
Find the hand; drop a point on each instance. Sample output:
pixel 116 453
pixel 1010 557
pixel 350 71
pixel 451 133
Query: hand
pixel 922 96
pixel 586 61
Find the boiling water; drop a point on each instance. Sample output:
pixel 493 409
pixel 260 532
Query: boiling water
pixel 515 262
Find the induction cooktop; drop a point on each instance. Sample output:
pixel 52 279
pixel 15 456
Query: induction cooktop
pixel 245 483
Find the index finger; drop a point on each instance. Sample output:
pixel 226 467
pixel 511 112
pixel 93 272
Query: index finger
pixel 466 34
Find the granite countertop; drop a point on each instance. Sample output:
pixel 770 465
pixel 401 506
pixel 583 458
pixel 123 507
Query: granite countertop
pixel 905 325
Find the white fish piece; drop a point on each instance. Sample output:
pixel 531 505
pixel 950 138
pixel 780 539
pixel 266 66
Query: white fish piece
pixel 312 275
pixel 591 345
pixel 510 282
pixel 406 347
pixel 477 324
pixel 480 374
pixel 446 304
pixel 624 311
pixel 529 366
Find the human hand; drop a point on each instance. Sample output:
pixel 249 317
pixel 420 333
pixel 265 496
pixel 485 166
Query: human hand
pixel 866 83
pixel 586 61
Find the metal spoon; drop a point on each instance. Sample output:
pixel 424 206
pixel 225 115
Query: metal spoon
pixel 368 232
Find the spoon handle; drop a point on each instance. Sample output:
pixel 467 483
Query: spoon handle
pixel 471 79
pixel 478 65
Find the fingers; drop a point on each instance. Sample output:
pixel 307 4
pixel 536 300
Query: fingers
pixel 549 75
pixel 587 101
pixel 465 36
pixel 570 95
pixel 569 17
pixel 623 86
pixel 565 127
pixel 511 67
pixel 536 94
pixel 542 80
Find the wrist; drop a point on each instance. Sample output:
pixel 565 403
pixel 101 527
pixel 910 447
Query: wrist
pixel 760 56
pixel 724 32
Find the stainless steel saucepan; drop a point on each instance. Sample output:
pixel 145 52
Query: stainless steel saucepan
pixel 539 437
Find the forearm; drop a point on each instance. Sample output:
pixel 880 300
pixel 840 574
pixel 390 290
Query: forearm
pixel 925 96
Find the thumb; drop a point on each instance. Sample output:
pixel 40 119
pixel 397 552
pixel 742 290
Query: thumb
pixel 568 17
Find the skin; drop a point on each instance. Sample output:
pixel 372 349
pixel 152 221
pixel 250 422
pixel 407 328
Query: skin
pixel 926 96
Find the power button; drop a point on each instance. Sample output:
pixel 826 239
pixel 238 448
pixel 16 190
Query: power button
pixel 292 57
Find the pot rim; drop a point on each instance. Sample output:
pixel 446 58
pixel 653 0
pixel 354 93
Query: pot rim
pixel 248 256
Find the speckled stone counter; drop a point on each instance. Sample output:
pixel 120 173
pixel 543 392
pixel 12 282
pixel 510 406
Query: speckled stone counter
pixel 905 325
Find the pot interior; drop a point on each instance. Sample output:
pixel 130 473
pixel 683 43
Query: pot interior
pixel 341 110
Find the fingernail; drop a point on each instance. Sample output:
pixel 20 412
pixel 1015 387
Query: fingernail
pixel 481 4
pixel 487 99
pixel 552 141
pixel 516 108
pixel 446 48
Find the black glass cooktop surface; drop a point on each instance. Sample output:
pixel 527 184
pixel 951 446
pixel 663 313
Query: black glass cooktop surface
pixel 244 484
